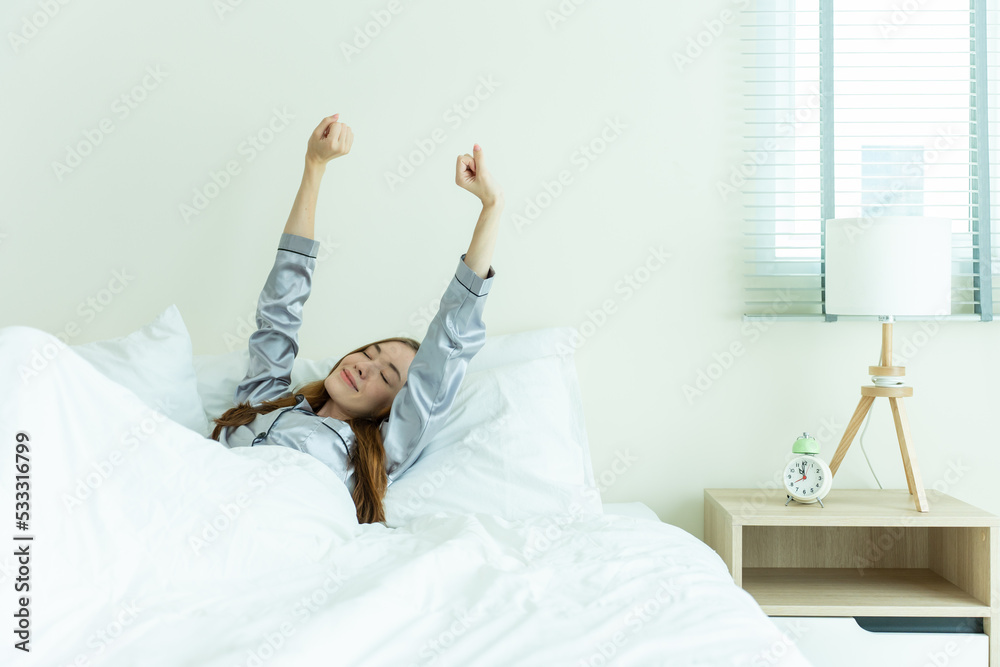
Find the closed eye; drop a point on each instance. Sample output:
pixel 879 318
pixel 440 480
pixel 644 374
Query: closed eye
pixel 365 352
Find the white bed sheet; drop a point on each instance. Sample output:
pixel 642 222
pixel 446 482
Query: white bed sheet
pixel 119 577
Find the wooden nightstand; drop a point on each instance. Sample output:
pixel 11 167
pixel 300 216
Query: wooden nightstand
pixel 867 553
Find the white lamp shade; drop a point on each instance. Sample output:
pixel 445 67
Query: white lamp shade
pixel 893 265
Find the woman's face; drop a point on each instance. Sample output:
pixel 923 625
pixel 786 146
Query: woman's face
pixel 365 383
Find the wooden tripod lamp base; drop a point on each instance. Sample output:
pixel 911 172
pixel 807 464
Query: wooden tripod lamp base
pixel 895 394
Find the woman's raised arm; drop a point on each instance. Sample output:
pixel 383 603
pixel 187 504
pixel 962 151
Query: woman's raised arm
pixel 329 140
pixel 472 175
pixel 454 336
pixel 274 345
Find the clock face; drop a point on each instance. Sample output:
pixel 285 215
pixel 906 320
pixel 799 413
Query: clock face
pixel 805 477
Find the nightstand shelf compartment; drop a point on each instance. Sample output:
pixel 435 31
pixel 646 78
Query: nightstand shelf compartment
pixel 848 592
pixel 848 565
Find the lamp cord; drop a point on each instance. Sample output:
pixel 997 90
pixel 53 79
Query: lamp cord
pixel 861 440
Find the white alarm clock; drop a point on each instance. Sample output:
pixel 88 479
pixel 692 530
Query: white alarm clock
pixel 807 477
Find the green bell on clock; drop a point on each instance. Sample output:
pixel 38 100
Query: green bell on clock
pixel 806 444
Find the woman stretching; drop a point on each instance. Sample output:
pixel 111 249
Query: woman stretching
pixel 371 416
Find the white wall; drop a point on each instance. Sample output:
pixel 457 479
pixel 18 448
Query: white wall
pixel 388 252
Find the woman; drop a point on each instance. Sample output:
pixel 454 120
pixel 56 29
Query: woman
pixel 371 416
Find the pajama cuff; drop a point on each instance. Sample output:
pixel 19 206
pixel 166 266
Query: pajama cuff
pixel 471 280
pixel 299 244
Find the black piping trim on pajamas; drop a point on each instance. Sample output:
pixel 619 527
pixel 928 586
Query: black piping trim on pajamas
pixel 268 433
pixel 467 287
pixel 296 407
pixel 297 252
pixel 346 447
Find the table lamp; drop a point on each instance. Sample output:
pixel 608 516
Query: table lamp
pixel 888 267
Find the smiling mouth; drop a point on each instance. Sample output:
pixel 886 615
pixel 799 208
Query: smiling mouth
pixel 348 379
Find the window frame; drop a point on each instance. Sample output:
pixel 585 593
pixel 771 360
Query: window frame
pixel 979 178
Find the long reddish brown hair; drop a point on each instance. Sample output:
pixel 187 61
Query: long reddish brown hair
pixel 368 455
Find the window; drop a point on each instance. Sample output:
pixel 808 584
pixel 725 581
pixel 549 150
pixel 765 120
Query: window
pixel 861 108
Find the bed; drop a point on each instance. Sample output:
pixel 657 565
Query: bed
pixel 152 545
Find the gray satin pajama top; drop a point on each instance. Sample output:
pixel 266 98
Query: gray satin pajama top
pixel 420 407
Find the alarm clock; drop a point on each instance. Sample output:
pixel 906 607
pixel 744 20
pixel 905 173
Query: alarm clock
pixel 807 477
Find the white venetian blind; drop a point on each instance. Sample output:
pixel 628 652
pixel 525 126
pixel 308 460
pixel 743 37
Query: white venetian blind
pixel 894 134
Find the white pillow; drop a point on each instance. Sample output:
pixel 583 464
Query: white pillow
pixel 523 346
pixel 535 344
pixel 514 445
pixel 155 363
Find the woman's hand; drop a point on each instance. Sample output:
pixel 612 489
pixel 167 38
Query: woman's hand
pixel 329 140
pixel 471 174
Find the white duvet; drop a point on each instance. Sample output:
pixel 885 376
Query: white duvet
pixel 154 546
